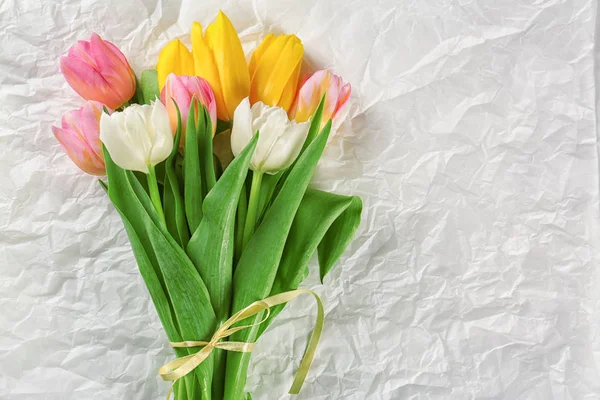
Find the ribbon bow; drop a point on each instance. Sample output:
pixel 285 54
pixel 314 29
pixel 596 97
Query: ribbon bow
pixel 182 366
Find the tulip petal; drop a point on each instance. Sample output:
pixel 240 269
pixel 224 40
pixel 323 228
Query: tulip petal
pixel 241 132
pixel 114 67
pixel 343 105
pixel 174 58
pixel 162 144
pixel 259 52
pixel 89 117
pixel 283 142
pixel 205 67
pixel 173 92
pixel 201 89
pixel 289 92
pixel 88 82
pixel 79 151
pixel 230 60
pixel 125 147
pixel 274 69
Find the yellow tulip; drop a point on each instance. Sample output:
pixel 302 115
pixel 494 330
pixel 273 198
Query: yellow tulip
pixel 219 59
pixel 275 68
pixel 174 58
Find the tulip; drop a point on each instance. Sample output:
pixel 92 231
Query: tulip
pixel 139 137
pixel 279 144
pixel 337 102
pixel 280 140
pixel 275 69
pixel 97 70
pixel 174 58
pixel 219 58
pixel 181 90
pixel 79 137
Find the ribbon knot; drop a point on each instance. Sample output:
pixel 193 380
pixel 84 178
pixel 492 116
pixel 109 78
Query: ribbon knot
pixel 182 366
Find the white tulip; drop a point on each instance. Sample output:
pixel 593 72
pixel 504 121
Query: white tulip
pixel 138 137
pixel 279 142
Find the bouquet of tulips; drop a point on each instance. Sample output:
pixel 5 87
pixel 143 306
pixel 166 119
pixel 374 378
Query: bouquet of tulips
pixel 222 247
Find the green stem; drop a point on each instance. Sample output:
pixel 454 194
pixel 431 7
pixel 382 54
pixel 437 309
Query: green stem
pixel 241 223
pixel 154 194
pixel 252 207
pixel 181 392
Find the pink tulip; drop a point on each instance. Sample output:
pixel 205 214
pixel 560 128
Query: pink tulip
pixel 311 91
pixel 181 90
pixel 80 137
pixel 97 70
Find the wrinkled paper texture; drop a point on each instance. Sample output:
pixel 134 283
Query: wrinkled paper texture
pixel 472 142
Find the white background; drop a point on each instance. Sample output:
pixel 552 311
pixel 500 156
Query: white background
pixel 472 143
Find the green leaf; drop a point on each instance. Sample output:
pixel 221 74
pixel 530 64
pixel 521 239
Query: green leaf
pixel 192 174
pixel 315 123
pixel 180 282
pixel 339 234
pixel 325 221
pixel 149 86
pixel 206 151
pixel 257 268
pixel 104 185
pixel 212 245
pixel 173 202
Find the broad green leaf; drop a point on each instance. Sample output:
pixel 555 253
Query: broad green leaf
pixel 181 283
pixel 325 221
pixel 257 268
pixel 192 174
pixel 339 235
pixel 173 202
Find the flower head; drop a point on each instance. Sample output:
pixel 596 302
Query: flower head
pixel 337 102
pixel 219 58
pixel 79 137
pixel 137 137
pixel 97 70
pixel 279 142
pixel 181 90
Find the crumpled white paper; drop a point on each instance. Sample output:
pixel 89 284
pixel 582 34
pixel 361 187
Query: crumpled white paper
pixel 472 143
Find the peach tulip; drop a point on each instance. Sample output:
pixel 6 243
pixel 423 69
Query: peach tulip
pixel 311 91
pixel 97 70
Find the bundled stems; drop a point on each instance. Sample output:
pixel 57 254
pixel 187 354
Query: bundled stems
pixel 154 194
pixel 252 207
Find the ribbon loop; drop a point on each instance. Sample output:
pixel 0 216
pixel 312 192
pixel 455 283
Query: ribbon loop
pixel 182 366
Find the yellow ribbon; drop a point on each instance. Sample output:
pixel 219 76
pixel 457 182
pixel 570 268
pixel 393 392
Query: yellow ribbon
pixel 180 367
